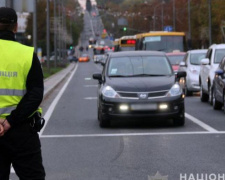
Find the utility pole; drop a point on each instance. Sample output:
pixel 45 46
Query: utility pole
pixel 189 24
pixel 35 26
pixel 162 16
pixel 210 22
pixel 9 3
pixel 174 16
pixel 48 36
pixel 55 34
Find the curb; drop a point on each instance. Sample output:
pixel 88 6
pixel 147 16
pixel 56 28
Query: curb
pixel 54 80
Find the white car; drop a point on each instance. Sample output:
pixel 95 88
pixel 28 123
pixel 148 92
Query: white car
pixel 209 65
pixel 191 64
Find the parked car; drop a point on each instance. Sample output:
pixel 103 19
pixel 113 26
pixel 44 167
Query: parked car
pixel 139 84
pixel 209 65
pixel 191 64
pixel 219 87
pixel 175 59
pixel 84 58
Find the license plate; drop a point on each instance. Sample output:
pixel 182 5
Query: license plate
pixel 143 107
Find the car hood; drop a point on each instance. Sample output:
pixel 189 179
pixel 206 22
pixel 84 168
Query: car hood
pixel 141 84
pixel 195 68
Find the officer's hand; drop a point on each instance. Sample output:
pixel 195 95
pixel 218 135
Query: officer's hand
pixel 6 126
pixel 1 130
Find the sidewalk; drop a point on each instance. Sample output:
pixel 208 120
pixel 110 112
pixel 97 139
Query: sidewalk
pixel 51 82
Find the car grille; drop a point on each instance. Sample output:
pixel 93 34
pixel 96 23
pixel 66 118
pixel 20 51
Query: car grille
pixel 135 95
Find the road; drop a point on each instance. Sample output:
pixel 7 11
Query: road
pixel 76 148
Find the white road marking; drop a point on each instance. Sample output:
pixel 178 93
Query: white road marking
pixel 200 123
pixel 131 134
pixel 12 170
pixel 54 103
pixel 91 86
pixel 88 79
pixel 90 98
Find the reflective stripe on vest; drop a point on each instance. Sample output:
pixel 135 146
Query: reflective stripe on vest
pixel 7 110
pixel 15 64
pixel 12 92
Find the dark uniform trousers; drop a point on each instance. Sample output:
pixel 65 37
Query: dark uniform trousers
pixel 21 147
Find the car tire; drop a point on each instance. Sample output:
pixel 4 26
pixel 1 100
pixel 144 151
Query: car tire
pixel 187 92
pixel 203 96
pixel 103 121
pixel 216 104
pixel 224 102
pixel 179 121
pixel 210 90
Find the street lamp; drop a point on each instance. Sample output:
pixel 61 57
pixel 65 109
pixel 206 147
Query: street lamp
pixel 189 24
pixel 210 22
pixel 162 3
pixel 162 18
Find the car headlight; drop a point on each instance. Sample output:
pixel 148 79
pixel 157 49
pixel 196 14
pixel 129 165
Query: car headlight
pixel 176 90
pixel 110 92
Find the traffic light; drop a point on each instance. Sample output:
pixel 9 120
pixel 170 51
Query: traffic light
pixel 124 28
pixel 71 47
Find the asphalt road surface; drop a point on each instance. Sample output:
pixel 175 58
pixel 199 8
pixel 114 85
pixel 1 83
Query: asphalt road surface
pixel 76 148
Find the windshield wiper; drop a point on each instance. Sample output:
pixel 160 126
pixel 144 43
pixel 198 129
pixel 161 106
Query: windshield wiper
pixel 137 75
pixel 118 76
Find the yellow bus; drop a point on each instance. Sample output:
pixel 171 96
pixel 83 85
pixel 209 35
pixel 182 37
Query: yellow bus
pixel 125 43
pixel 161 41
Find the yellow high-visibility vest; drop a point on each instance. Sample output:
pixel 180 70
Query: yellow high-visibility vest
pixel 15 64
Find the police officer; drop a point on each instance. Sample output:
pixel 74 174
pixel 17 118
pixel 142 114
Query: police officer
pixel 21 92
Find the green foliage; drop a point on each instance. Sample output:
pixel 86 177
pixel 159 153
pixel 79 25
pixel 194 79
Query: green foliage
pixel 142 19
pixel 74 24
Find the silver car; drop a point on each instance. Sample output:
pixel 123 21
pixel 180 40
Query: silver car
pixel 191 64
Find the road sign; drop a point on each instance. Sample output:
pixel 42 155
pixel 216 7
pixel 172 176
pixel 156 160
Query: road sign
pixel 168 28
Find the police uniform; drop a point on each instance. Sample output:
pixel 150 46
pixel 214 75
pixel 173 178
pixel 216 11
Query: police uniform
pixel 21 92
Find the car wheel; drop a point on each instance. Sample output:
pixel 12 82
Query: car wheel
pixel 210 90
pixel 203 96
pixel 179 121
pixel 103 122
pixel 187 92
pixel 224 102
pixel 216 104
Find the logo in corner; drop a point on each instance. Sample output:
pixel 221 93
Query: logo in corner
pixel 158 176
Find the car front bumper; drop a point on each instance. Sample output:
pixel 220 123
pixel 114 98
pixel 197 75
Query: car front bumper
pixel 160 108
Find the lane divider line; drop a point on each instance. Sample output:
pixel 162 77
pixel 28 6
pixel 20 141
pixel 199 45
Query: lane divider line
pixel 133 134
pixel 90 98
pixel 90 85
pixel 200 123
pixel 55 101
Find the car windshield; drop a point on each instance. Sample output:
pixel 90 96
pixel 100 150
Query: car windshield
pixel 176 59
pixel 139 66
pixel 164 43
pixel 195 59
pixel 219 54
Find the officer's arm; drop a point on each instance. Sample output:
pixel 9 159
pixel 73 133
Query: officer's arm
pixel 32 99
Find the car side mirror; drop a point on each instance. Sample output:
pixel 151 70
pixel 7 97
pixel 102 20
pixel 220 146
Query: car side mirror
pixel 98 77
pixel 182 64
pixel 220 72
pixel 181 74
pixel 205 61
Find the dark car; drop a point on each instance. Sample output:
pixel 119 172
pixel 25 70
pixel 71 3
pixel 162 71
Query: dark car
pixel 139 84
pixel 219 87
